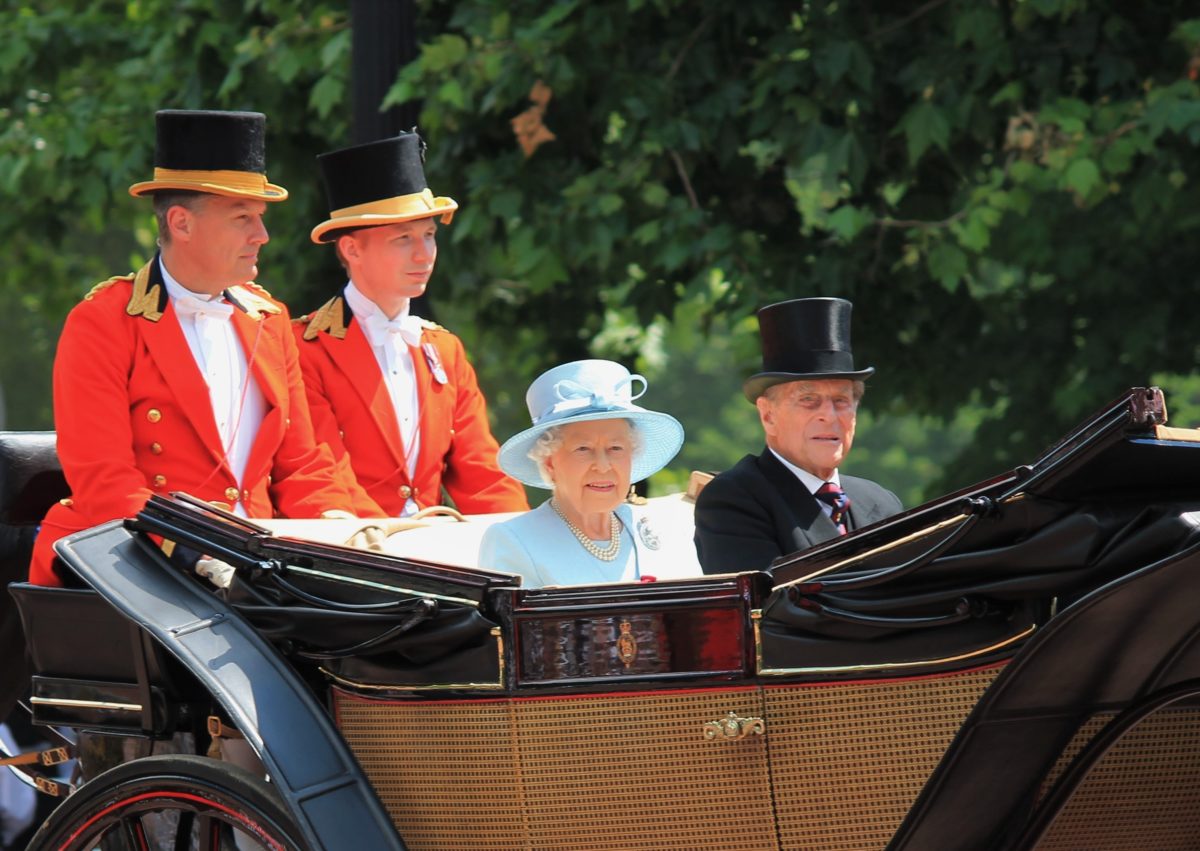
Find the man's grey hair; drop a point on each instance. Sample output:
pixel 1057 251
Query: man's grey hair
pixel 776 391
pixel 165 200
pixel 551 439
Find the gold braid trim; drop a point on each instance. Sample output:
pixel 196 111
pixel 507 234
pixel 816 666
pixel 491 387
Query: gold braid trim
pixel 148 300
pixel 329 318
pixel 251 302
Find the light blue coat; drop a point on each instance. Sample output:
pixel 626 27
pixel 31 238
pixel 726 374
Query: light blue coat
pixel 539 546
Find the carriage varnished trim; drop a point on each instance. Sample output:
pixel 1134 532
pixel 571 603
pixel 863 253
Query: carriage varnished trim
pixel 367 583
pixel 756 619
pixel 899 542
pixel 85 704
pixel 488 686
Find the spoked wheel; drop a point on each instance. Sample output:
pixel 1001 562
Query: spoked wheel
pixel 171 802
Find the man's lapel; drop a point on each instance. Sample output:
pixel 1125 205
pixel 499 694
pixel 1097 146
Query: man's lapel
pixel 356 361
pixel 169 350
pixel 431 414
pixel 262 357
pixel 863 509
pixel 812 526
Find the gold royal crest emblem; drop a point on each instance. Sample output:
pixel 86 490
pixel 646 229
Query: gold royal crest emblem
pixel 626 644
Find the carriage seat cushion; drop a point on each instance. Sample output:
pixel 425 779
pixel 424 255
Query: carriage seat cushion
pixel 444 541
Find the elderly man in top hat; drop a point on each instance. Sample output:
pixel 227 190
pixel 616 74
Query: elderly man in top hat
pixel 392 394
pixel 792 496
pixel 184 376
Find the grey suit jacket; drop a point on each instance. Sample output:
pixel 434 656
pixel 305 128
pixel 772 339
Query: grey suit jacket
pixel 758 510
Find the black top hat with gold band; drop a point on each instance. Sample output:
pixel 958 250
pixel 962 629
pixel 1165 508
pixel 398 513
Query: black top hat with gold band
pixel 805 338
pixel 379 183
pixel 223 153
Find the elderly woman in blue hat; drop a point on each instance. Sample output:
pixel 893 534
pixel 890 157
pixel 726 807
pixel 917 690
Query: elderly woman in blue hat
pixel 587 444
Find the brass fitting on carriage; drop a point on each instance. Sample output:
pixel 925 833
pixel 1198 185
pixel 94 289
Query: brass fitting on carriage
pixel 733 727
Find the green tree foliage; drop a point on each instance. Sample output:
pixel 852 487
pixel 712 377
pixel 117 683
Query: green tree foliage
pixel 1004 189
pixel 79 84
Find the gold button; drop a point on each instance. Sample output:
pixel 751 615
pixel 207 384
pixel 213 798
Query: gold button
pixel 231 494
pixel 452 432
pixel 68 502
pixel 245 496
pixel 156 448
pixel 406 491
pixel 159 481
pixel 154 415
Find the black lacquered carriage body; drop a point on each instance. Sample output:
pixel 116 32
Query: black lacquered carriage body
pixel 1012 666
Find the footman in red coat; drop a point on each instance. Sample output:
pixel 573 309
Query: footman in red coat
pixel 392 394
pixel 185 376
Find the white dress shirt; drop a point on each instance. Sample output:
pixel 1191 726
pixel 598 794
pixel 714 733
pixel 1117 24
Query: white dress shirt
pixel 392 341
pixel 813 483
pixel 238 405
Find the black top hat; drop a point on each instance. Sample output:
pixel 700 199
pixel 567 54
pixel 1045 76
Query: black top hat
pixel 223 153
pixel 379 183
pixel 804 338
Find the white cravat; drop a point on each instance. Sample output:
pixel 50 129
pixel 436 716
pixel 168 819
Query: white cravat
pixel 390 340
pixel 238 405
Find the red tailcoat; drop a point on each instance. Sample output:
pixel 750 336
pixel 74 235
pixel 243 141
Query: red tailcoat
pixel 133 415
pixel 353 413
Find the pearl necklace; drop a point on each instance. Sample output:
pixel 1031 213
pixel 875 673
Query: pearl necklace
pixel 606 553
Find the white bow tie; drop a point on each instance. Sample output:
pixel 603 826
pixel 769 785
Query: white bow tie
pixel 198 307
pixel 383 330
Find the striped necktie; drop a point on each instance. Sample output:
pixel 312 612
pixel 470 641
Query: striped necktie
pixel 836 499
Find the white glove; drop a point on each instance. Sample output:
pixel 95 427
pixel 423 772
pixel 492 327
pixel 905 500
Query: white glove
pixel 215 571
pixel 374 535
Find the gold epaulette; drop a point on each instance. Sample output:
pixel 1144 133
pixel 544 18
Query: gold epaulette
pixel 329 317
pixel 103 285
pixel 429 325
pixel 251 302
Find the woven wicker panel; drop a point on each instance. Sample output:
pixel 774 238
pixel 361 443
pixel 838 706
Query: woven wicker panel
pixel 635 772
pixel 848 760
pixel 1144 793
pixel 446 771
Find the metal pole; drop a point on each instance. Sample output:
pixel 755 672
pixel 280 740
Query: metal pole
pixel 384 39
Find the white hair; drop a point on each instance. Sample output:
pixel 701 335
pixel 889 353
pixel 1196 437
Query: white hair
pixel 551 439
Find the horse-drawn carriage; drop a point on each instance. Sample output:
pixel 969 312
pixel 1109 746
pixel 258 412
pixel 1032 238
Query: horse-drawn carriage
pixel 1012 666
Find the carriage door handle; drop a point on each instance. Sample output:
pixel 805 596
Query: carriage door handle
pixel 732 727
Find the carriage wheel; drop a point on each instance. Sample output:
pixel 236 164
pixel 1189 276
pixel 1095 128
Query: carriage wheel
pixel 174 802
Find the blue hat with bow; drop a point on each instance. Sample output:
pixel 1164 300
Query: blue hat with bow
pixel 586 390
